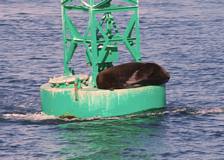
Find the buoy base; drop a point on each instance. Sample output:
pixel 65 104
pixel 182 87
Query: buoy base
pixel 92 102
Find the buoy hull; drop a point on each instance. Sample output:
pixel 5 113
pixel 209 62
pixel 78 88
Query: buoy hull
pixel 92 102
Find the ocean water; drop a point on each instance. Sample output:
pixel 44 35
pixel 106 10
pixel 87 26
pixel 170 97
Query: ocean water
pixel 186 37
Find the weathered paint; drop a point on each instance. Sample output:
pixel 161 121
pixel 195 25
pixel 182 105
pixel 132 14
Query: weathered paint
pixel 92 102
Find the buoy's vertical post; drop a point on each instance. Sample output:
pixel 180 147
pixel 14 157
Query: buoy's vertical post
pixel 94 45
pixel 66 69
pixel 69 33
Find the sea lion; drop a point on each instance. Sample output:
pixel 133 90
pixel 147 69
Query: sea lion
pixel 133 74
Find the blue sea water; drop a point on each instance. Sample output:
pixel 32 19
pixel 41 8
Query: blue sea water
pixel 186 37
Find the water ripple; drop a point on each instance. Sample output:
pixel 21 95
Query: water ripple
pixel 186 37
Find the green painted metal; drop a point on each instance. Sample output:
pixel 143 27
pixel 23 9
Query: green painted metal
pixel 101 37
pixel 93 102
pixel 78 95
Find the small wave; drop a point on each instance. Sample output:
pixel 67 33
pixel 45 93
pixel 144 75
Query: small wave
pixel 208 111
pixel 169 111
pixel 44 117
pixel 28 116
pixel 195 111
pixel 183 111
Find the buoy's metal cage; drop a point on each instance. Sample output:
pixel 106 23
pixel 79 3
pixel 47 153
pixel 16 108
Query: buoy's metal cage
pixel 102 36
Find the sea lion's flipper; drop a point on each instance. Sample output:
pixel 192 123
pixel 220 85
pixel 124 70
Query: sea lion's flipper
pixel 139 76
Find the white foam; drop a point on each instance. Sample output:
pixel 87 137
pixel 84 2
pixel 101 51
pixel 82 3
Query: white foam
pixel 28 116
pixel 209 111
pixel 41 116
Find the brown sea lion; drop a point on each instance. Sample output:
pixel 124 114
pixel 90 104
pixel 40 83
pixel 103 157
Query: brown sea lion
pixel 133 74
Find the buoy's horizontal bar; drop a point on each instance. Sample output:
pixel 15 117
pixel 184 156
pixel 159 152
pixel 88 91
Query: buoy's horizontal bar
pixel 113 8
pixel 117 39
pixel 82 8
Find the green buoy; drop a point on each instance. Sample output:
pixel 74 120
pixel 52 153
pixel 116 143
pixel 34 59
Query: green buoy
pixel 77 95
